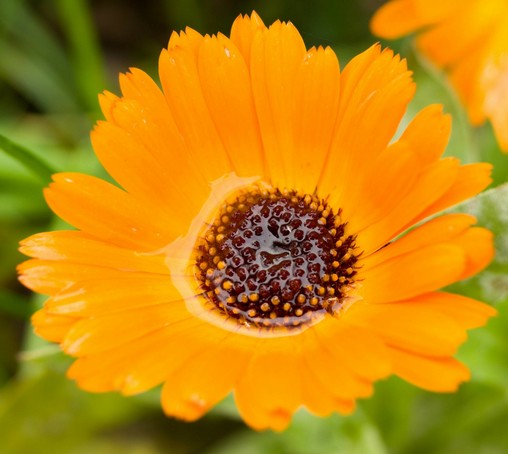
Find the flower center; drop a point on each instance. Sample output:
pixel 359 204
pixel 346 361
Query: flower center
pixel 276 258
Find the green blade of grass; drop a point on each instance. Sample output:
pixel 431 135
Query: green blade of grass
pixel 27 158
pixel 35 80
pixel 78 25
pixel 21 24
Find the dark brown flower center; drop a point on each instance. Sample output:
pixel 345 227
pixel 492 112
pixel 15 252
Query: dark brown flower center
pixel 275 258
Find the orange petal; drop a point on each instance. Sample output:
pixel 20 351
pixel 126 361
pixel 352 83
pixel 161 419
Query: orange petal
pixel 364 126
pixel 463 31
pixel 478 245
pixel 108 213
pixel 99 333
pixel 465 76
pixel 452 229
pixel 275 57
pixel 153 125
pixel 119 154
pixel 466 312
pixel 470 180
pixel 316 100
pixel 141 364
pixel 116 294
pixel 188 40
pixel 392 173
pixel 495 85
pixel 433 181
pixel 395 19
pixel 269 390
pixel 319 399
pixel 52 277
pixel 226 88
pixel 320 359
pixel 182 87
pixel 436 10
pixel 350 344
pixel 408 326
pixel 139 89
pixel 164 176
pixel 427 372
pixel 499 118
pixel 107 101
pixel 204 380
pixel 78 247
pixel 139 86
pixel 420 271
pixel 51 327
pixel 438 230
pixel 400 17
pixel 428 133
pixel 243 31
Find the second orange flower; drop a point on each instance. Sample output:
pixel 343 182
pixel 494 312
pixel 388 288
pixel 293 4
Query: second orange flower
pixel 469 40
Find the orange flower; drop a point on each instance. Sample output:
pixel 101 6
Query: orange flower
pixel 251 247
pixel 469 40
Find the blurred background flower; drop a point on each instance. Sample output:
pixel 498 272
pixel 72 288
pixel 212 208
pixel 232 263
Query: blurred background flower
pixel 55 57
pixel 468 40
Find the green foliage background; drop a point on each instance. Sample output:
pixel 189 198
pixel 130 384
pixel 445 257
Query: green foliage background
pixel 55 57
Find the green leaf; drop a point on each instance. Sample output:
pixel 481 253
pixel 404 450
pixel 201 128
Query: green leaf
pixel 27 158
pixel 47 413
pixel 33 61
pixel 30 31
pixel 88 66
pixel 35 79
pixel 391 408
pixel 470 421
pixel 309 434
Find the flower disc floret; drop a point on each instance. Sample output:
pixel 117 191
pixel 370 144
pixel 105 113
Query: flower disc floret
pixel 276 259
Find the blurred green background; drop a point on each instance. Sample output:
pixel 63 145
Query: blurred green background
pixel 55 57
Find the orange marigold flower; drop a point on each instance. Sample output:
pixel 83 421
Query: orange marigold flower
pixel 251 245
pixel 469 40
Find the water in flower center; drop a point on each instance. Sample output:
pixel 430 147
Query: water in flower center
pixel 275 258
